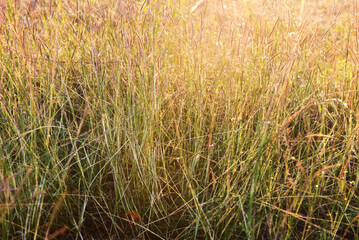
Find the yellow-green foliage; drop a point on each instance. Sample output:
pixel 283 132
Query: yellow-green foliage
pixel 179 119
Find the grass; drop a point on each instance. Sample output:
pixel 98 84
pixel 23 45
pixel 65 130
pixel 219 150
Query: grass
pixel 179 119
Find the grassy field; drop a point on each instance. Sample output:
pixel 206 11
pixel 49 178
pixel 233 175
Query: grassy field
pixel 179 119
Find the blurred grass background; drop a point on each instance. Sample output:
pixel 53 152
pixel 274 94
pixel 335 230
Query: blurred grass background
pixel 179 119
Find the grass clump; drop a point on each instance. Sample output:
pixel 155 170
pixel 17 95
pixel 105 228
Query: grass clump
pixel 212 119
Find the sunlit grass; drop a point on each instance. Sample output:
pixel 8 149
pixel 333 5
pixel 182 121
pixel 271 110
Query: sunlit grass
pixel 179 119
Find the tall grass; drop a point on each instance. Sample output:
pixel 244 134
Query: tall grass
pixel 179 119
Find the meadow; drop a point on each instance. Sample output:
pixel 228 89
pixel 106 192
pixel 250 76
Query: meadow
pixel 179 119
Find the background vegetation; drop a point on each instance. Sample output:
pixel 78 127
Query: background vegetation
pixel 179 119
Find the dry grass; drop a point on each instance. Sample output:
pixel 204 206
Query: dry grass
pixel 179 119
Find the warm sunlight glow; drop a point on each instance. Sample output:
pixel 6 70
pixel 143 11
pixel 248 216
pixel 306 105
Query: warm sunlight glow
pixel 179 119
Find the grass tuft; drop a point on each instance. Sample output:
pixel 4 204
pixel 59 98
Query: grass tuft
pixel 213 119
